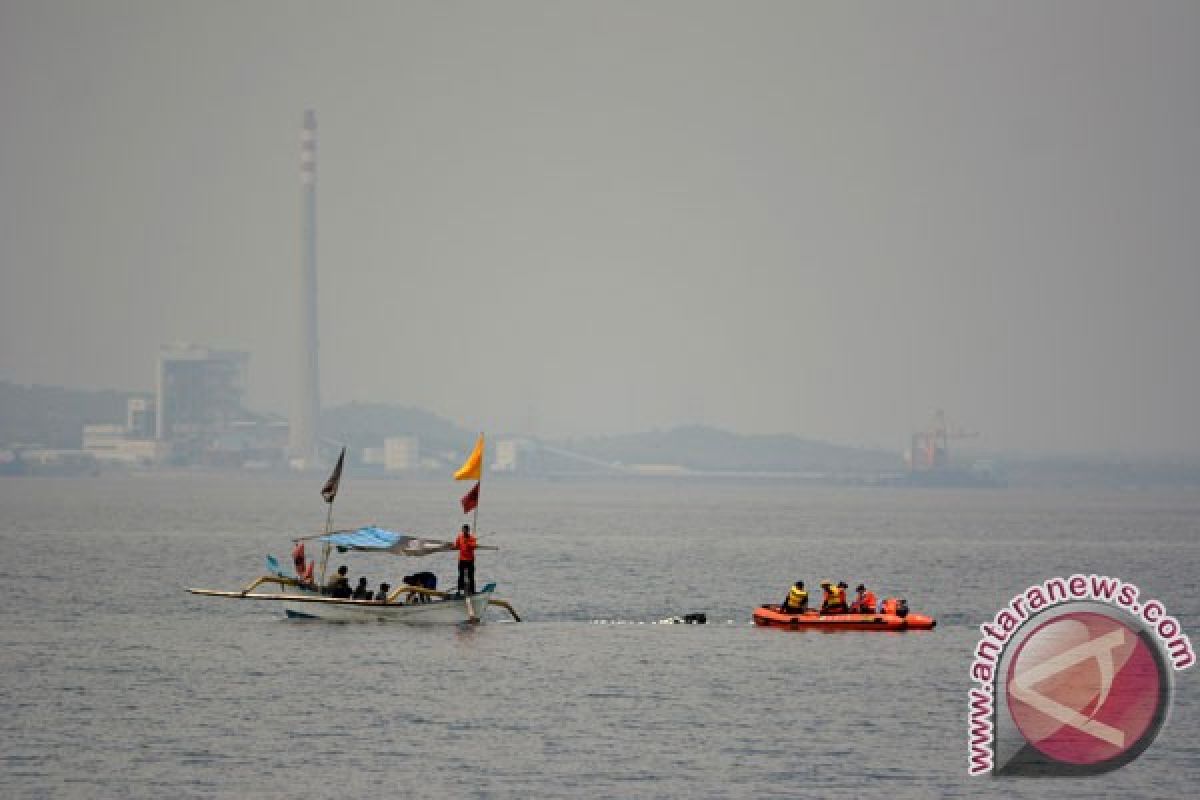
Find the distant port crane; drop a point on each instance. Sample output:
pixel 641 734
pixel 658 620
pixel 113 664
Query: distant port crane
pixel 930 447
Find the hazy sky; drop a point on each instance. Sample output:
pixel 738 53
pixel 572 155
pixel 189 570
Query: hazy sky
pixel 574 217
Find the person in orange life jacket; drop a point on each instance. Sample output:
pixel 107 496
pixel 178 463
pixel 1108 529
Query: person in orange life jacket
pixel 890 605
pixel 835 598
pixel 466 544
pixel 864 601
pixel 796 601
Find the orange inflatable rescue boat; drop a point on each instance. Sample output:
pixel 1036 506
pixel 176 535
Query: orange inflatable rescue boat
pixel 768 616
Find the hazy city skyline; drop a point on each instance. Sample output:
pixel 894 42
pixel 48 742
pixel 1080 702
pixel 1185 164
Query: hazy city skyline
pixel 821 219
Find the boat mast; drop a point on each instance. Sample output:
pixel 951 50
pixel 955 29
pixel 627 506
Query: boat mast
pixel 329 493
pixel 479 495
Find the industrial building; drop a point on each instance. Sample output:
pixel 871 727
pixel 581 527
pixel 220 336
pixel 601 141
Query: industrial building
pixel 199 391
pixel 130 444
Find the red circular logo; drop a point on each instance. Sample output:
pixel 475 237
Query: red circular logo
pixel 1084 688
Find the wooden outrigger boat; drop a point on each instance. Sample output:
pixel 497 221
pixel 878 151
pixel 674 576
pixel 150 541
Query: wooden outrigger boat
pixel 418 605
pixel 414 605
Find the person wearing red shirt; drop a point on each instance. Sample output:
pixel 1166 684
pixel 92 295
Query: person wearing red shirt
pixel 466 544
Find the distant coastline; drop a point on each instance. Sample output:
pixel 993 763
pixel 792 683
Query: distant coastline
pixel 41 420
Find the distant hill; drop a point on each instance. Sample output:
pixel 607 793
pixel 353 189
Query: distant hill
pixel 360 425
pixel 53 417
pixel 706 449
pixel 696 448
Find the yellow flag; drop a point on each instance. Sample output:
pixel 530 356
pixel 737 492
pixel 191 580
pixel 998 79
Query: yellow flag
pixel 472 468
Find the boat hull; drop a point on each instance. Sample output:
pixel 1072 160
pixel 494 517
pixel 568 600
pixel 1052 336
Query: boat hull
pixel 772 617
pixel 451 610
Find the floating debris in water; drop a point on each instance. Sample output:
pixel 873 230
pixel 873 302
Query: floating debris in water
pixel 697 618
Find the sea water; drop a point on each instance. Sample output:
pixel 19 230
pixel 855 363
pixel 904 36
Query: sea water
pixel 114 682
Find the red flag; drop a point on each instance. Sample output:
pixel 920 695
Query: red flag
pixel 330 489
pixel 470 500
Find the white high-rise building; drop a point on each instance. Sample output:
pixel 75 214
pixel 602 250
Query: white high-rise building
pixel 507 455
pixel 401 453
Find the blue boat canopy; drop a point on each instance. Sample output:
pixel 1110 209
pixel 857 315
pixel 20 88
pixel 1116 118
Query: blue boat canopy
pixel 378 540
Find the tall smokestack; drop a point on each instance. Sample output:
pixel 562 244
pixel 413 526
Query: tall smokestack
pixel 306 402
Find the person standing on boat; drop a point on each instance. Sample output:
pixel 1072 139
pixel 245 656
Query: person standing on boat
pixel 466 544
pixel 796 601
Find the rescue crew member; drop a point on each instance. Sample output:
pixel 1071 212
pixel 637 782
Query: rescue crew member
pixel 865 601
pixel 890 606
pixel 835 598
pixel 796 601
pixel 466 544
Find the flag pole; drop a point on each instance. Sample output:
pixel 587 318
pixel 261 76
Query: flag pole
pixel 325 550
pixel 482 459
pixel 472 470
pixel 329 494
pixel 472 614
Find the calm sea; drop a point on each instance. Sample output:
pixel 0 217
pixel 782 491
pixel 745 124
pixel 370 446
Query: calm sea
pixel 114 682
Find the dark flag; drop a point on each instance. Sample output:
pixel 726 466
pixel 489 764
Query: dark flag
pixel 471 500
pixel 329 491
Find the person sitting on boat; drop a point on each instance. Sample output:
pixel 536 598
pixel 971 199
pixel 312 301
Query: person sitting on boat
pixel 864 601
pixel 834 601
pixel 360 591
pixel 466 544
pixel 382 595
pixel 339 585
pixel 890 606
pixel 796 601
